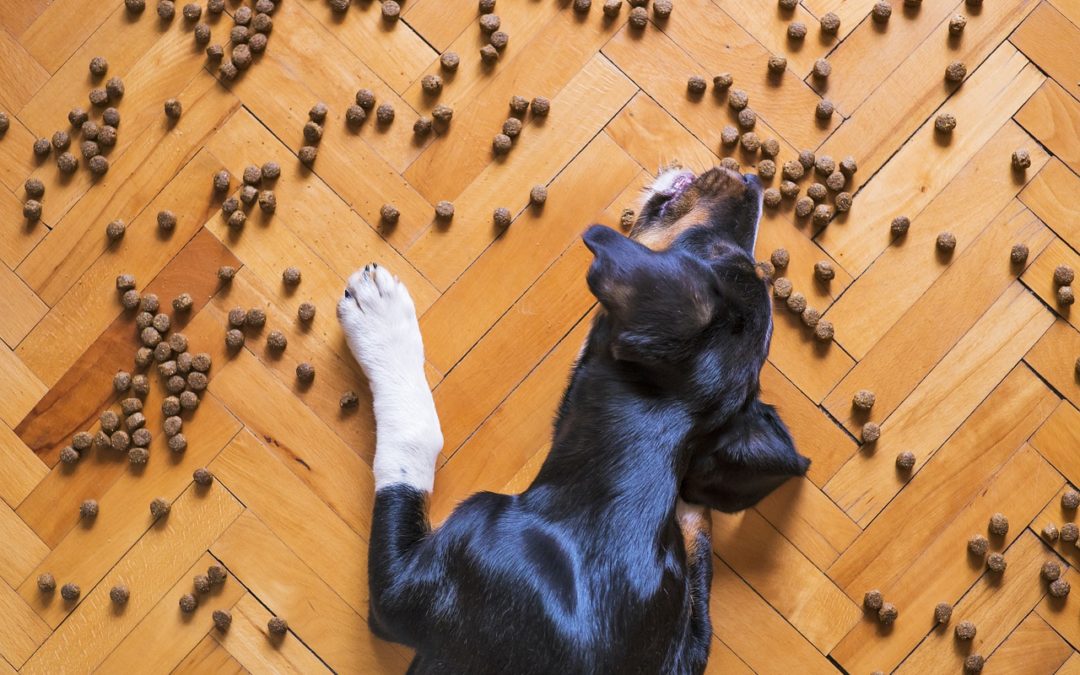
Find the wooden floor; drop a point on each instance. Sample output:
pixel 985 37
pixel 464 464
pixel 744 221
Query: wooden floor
pixel 971 358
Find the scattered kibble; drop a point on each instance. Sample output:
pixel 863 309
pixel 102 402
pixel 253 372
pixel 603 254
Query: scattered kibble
pixel 782 288
pixel 538 195
pixel 501 144
pixel 965 630
pixel 824 109
pixel 160 507
pixel 796 30
pixel 639 17
pixel 999 525
pixel 444 210
pixel 771 198
pixel 747 119
pixel 978 545
pixel 873 600
pixel 70 592
pixel 792 170
pixel 888 613
pixel 881 11
pixel 870 432
pixel 905 460
pixel 974 663
pixel 626 218
pixel 955 72
pixel 946 242
pixel 945 123
pixel 202 476
pixel 830 23
pixel 67 162
pixel 217 574
pixel 120 441
pixel 46 583
pixel 349 400
pixel 88 509
pixel 276 340
pixel 222 620
pixel 1019 254
pixel 1050 532
pixel 942 613
pixel 1065 296
pixel 188 603
pixel 729 135
pixel 1059 588
pixel 957 24
pixel 780 258
pixel 823 271
pixel 996 563
pixel 119 595
pixel 810 317
pixel 1021 159
pixel 1063 275
pixel 173 109
pixel 738 99
pixel 1051 570
pixel 178 443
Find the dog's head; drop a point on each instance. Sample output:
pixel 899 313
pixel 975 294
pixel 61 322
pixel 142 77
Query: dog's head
pixel 687 314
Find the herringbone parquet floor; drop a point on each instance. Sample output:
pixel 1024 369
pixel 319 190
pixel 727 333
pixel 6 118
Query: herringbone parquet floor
pixel 972 359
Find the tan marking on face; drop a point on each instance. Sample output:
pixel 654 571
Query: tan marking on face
pixel 660 238
pixel 693 520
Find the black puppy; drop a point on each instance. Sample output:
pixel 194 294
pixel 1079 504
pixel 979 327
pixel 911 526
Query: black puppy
pixel 598 567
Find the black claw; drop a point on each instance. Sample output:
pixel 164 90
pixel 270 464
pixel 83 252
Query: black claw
pixel 347 294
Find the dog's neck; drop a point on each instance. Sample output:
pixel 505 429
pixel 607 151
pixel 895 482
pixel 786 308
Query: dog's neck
pixel 617 445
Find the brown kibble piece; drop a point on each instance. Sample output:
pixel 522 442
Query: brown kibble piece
pixel 792 170
pixel 946 242
pixel 780 258
pixel 177 443
pixel 1019 254
pixel 955 72
pixel 996 563
pixel 777 64
pixel 747 119
pixel 965 630
pixel 1050 532
pixel 67 162
pixel 974 663
pixel 444 210
pixel 137 456
pixel 738 99
pixel 1063 275
pixel 1059 588
pixel 1021 159
pixel 888 613
pixel 942 613
pixel 945 123
pixel 120 441
pixel 349 400
pixel 306 312
pixel 870 432
pixel 823 271
pixel 217 574
pixel 222 620
pixel 978 545
pixel 823 213
pixel 307 155
pixel 771 198
pixel 1065 296
pixel 46 583
pixel 70 592
pixel 291 276
pixel 1051 570
pixel 141 438
pixel 873 600
pixel 729 135
pixel 905 460
pixel 695 85
pixel 830 23
pixel 957 24
pixel 999 525
pixel 796 302
pixel 160 507
pixel 69 455
pixel 863 399
pixel 796 30
pixel 538 195
pixel 188 603
pixel 824 109
pixel 626 219
pixel 305 372
pixel 276 340
pixel 881 12
pixel 782 288
pixel 88 509
pixel 202 476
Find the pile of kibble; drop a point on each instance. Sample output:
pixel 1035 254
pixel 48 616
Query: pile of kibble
pixel 254 189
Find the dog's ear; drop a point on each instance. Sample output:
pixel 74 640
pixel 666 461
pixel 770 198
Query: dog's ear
pixel 611 276
pixel 751 456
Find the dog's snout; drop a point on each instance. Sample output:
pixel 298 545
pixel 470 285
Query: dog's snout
pixel 752 180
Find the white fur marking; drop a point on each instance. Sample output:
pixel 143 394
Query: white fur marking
pixel 379 321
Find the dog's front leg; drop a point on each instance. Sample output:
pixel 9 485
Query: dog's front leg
pixel 380 325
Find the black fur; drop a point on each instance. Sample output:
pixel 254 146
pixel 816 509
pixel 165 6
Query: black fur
pixel 588 571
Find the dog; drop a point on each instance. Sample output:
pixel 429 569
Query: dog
pixel 603 565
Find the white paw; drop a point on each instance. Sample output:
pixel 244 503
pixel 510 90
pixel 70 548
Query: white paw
pixel 379 320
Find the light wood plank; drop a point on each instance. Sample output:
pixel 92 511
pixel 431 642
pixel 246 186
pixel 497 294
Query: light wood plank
pixel 1034 647
pixel 1053 117
pixel 1054 358
pixel 1051 196
pixel 1047 38
pixel 1039 277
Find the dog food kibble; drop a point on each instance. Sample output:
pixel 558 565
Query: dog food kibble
pixel 140 385
pixel 69 455
pixel 489 23
pixel 830 23
pixel 267 201
pixel 738 99
pixel 135 420
pixel 349 400
pixel 1050 532
pixel 217 574
pixel 42 147
pixel 946 242
pixel 78 117
pixel 974 663
pixel 780 258
pixel 234 339
pixel 804 206
pixel 888 613
pixel 770 147
pixel 172 425
pixel 46 583
pixel 501 144
pixel 88 509
pixel 141 438
pixel 945 123
pixel 639 17
pixel 188 603
pixel 512 127
pixel 1050 571
pixel 796 302
pixel 168 369
pixel 782 288
pixel 747 119
pixel 999 525
pixel 502 217
pixel 662 8
pixel 307 154
pixel 61 140
pixel 836 181
pixel 98 97
pixel 823 271
pixel 189 400
pixel 173 109
pixel 870 432
pixel 98 165
pixel 488 54
pixel 796 30
pixel 1065 296
pixel 32 210
pixel 276 340
pixel 70 592
pixel 823 213
pixel 750 142
pixel 248 194
pixel 881 11
pixel 792 170
pixel 957 24
pixel 811 317
pixel 1059 588
pixel 192 11
pixel 538 195
pixel 201 582
pixel 306 312
pixel 178 443
pixel 67 162
pixel 122 381
pixel 777 64
pixel 215 52
pixel 905 460
pixel 82 441
pixel 109 421
pixel 312 132
pixel 817 192
pixel 1063 275
pixel 277 626
pixel 942 613
pixel 612 7
pixel 788 5
pixel 1021 159
pixel 119 595
pixel 1019 254
pixel 120 440
pixel 160 507
pixel 106 136
pixel 965 630
pixel 955 72
pixel 1070 500
pixel 843 202
pixel 202 476
pixel 626 219
pixel 729 135
pixel 978 545
pixel 222 620
pixel 873 600
pixel 996 563
pixel 824 109
pixel 771 198
pixel 115 89
pixel 98 66
pixel 499 39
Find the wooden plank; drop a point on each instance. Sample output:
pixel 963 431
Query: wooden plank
pixel 723 661
pixel 152 158
pixel 941 571
pixel 903 272
pixel 21 73
pixel 62 27
pixel 440 21
pixel 770 28
pixel 1053 117
pixel 546 312
pixel 330 468
pixel 16 242
pixel 303 522
pixel 1047 37
pixel 316 614
pixel 173 634
pixel 250 643
pixel 153 565
pixel 813 366
pixel 93 303
pixel 518 428
pixel 17 161
pixel 918 40
pixel 895 365
pixel 1034 647
pixel 209 657
pixel 941 402
pixel 20 307
pixel 1039 277
pixel 1072 666
pixel 85 552
pixel 17 15
pixel 22 468
pixel 995 604
pixel 1069 9
pixel 498 277
pixel 1051 195
pixel 785 578
pixel 23 630
pixel 306 205
pixel 77 398
pixel 1058 439
pixel 396 54
pixel 20 388
pixel 1054 358
pixel 1058 613
pixel 24 550
pixel 986 101
pixel 754 631
pixel 787 105
pixel 851 13
pixel 587 102
pixel 945 487
pixel 1055 513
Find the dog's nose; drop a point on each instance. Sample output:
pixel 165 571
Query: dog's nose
pixel 752 180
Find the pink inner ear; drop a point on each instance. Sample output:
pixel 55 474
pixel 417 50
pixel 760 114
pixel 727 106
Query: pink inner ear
pixel 681 182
